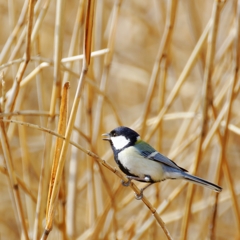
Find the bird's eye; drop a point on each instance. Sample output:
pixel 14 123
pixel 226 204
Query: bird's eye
pixel 114 134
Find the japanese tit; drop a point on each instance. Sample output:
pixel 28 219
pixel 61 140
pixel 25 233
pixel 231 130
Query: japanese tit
pixel 141 162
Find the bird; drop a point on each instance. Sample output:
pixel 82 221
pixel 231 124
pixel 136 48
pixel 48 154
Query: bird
pixel 141 162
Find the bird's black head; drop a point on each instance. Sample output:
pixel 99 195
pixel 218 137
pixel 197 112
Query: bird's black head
pixel 121 137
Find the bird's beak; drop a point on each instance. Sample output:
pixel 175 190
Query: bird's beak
pixel 107 137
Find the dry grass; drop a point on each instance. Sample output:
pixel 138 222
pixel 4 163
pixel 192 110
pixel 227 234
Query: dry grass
pixel 168 69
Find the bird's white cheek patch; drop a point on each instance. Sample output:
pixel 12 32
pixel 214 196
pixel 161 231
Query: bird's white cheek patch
pixel 119 142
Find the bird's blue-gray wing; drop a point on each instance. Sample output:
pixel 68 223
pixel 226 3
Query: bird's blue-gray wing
pixel 149 152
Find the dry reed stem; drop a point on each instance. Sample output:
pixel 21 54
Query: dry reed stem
pixel 15 89
pixel 162 89
pixel 14 33
pixel 41 96
pixel 58 42
pixel 72 49
pixel 224 137
pixel 50 62
pixel 55 164
pixel 73 188
pixel 43 184
pixel 161 55
pixel 13 180
pixel 73 165
pixel 207 98
pixel 2 107
pixel 12 20
pixel 87 44
pixel 39 20
pixel 26 172
pixel 214 128
pixel 27 113
pixel 225 46
pixel 225 167
pixel 107 62
pixel 56 95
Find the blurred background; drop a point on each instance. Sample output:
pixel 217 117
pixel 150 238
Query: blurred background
pixel 167 69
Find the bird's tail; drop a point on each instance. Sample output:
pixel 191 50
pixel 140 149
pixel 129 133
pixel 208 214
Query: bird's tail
pixel 201 182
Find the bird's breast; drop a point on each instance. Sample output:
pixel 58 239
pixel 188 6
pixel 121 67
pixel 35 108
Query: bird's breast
pixel 141 166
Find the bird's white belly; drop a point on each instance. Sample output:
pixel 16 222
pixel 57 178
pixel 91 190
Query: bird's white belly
pixel 140 166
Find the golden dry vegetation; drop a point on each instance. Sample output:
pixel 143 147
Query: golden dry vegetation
pixel 168 69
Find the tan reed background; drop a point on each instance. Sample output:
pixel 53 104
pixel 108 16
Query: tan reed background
pixel 168 69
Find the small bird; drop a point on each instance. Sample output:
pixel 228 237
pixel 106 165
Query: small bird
pixel 141 162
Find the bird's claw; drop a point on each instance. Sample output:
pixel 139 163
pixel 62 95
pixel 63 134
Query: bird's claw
pixel 126 184
pixel 139 196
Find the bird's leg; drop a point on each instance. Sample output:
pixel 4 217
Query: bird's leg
pixel 145 179
pixel 126 184
pixel 140 196
pixel 130 178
